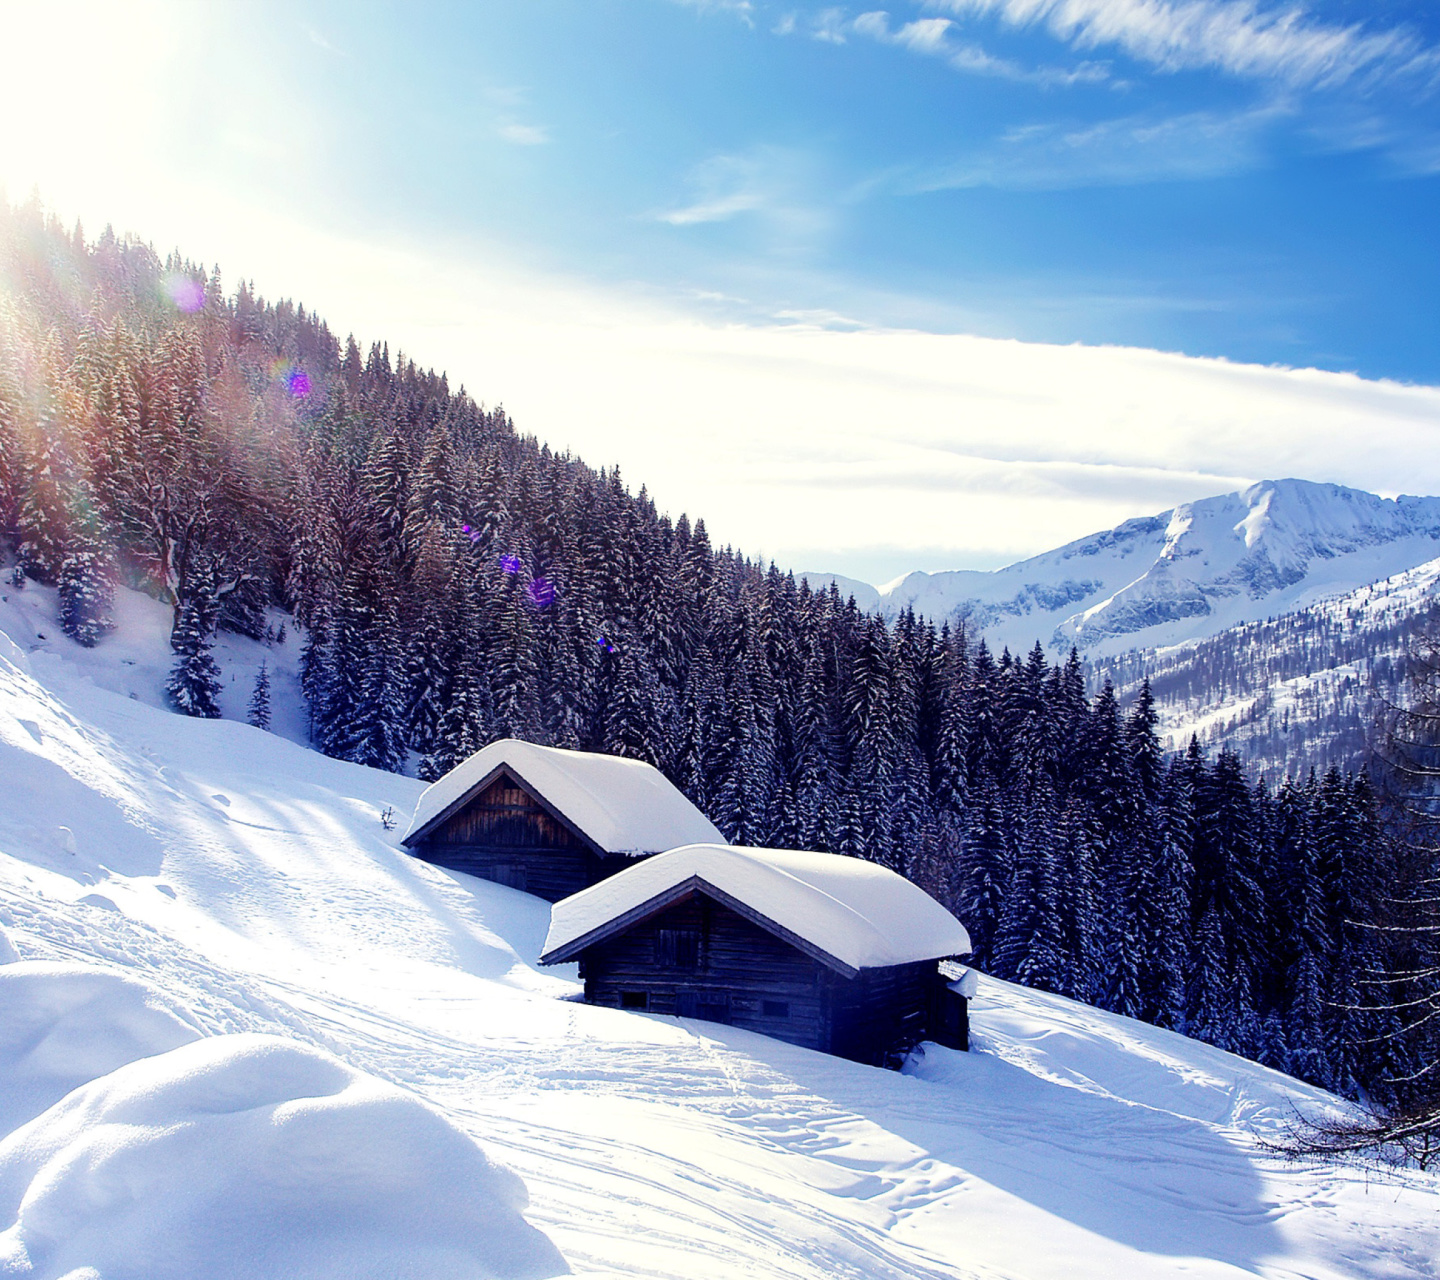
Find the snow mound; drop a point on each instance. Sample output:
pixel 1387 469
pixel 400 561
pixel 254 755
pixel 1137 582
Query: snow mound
pixel 8 954
pixel 251 1157
pixel 857 913
pixel 624 806
pixel 62 1025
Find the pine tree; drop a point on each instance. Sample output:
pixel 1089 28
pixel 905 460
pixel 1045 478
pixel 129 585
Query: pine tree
pixel 194 684
pixel 259 708
pixel 86 593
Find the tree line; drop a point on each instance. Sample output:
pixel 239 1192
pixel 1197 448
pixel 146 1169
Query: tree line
pixel 453 581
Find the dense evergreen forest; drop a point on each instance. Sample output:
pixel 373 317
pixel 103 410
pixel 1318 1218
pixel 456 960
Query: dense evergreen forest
pixel 453 581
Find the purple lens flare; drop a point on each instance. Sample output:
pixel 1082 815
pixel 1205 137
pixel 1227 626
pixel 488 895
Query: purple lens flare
pixel 541 592
pixel 511 564
pixel 186 292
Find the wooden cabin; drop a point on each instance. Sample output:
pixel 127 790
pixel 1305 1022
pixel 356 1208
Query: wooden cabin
pixel 548 821
pixel 827 952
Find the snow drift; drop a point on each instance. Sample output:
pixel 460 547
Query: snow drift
pixel 251 1157
pixel 63 1025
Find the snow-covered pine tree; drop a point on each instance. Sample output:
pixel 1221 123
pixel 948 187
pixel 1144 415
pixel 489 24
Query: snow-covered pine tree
pixel 259 708
pixel 194 684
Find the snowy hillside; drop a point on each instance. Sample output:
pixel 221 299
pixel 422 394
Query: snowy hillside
pixel 1293 692
pixel 1181 575
pixel 243 1034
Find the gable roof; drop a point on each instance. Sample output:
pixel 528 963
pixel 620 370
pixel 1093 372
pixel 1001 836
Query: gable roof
pixel 622 806
pixel 844 912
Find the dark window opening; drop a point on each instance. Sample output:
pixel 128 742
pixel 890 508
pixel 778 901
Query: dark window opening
pixel 709 1006
pixel 677 948
pixel 634 999
pixel 777 1008
pixel 511 876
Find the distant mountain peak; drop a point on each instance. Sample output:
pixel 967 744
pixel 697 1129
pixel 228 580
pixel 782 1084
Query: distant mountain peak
pixel 1180 575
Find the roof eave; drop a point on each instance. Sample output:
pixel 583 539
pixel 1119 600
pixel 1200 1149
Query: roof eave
pixel 413 837
pixel 676 893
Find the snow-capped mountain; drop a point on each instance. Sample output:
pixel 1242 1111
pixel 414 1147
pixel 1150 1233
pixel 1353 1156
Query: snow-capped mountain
pixel 1184 574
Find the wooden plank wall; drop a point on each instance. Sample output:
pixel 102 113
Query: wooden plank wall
pixel 506 835
pixel 740 965
pixel 884 1012
pixel 742 968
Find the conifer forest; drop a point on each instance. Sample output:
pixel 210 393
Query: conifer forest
pixel 452 581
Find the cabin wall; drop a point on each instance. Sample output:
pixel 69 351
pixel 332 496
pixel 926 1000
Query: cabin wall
pixel 742 975
pixel 883 1012
pixel 504 834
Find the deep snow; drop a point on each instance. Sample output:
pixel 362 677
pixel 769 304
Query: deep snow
pixel 349 999
pixel 624 806
pixel 862 914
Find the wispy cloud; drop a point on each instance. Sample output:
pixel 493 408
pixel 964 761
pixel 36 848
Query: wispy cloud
pixel 522 135
pixel 1125 151
pixel 767 183
pixel 742 9
pixel 1238 37
pixel 933 38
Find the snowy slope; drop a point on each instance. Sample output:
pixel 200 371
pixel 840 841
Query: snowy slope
pixel 1294 692
pixel 296 994
pixel 1183 574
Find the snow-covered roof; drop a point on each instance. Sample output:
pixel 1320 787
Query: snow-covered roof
pixel 624 806
pixel 850 913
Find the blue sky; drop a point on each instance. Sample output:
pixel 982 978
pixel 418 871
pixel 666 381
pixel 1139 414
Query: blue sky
pixel 1255 182
pixel 869 290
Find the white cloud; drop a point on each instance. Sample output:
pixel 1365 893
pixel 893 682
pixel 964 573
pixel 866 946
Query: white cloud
pixel 932 37
pixel 1234 36
pixel 523 135
pixel 742 9
pixel 1125 151
pixel 770 184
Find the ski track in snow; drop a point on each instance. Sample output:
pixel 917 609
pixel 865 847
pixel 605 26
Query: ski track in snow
pixel 252 883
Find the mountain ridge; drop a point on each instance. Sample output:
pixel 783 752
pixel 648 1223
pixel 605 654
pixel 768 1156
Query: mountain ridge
pixel 1182 574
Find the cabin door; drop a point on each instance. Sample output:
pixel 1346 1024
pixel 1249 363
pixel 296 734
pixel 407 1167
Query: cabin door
pixel 709 1006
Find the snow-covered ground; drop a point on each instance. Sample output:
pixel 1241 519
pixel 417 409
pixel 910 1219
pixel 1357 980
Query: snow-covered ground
pixel 246 1034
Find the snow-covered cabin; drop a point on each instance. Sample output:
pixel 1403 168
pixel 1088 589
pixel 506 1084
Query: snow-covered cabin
pixel 824 951
pixel 548 821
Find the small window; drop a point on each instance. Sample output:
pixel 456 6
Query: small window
pixel 677 948
pixel 634 999
pixel 777 1008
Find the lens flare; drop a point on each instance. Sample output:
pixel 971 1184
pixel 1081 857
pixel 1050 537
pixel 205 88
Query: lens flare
pixel 510 564
pixel 292 377
pixel 186 292
pixel 541 592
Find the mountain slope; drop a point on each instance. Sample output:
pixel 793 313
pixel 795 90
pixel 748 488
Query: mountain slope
pixel 252 885
pixel 1183 574
pixel 1294 692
